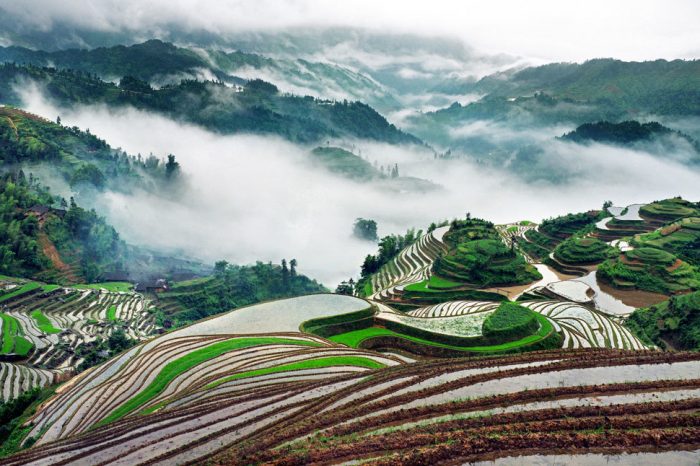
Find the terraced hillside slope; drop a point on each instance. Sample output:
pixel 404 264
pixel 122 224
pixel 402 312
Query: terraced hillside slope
pixel 48 331
pixel 268 404
pixel 535 368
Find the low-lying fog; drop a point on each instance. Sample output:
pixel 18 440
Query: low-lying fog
pixel 257 198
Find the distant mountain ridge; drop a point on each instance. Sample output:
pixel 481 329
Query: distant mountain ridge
pixel 635 134
pixel 258 107
pixel 601 89
pixel 161 63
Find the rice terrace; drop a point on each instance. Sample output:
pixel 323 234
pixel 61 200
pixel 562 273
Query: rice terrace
pixel 476 341
pixel 305 232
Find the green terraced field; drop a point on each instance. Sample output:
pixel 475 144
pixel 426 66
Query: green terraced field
pixel 180 365
pixel 583 251
pixel 12 340
pixel 26 288
pixel 355 338
pixel 109 286
pixel 43 322
pixel 669 209
pixel 331 361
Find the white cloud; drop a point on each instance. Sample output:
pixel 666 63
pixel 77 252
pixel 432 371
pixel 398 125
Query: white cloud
pixel 257 198
pixel 546 29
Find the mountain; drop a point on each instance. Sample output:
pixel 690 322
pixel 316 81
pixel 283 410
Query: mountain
pixel 162 63
pixel 79 158
pixel 257 107
pixel 651 137
pixel 147 61
pixel 602 89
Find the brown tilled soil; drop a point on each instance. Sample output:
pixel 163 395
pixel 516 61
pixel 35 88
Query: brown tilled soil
pixel 50 251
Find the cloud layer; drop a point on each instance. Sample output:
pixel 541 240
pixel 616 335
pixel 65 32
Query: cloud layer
pixel 545 29
pixel 254 198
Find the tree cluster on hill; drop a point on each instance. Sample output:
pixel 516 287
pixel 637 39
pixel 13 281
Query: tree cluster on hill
pixel 232 286
pixel 674 323
pixel 19 251
pixel 80 157
pixel 625 132
pixel 27 211
pixel 365 229
pixel 389 247
pixel 100 350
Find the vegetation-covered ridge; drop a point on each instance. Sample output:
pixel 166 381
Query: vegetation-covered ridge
pixel 478 257
pixel 624 133
pixel 257 107
pixel 43 237
pixel 600 89
pixel 673 324
pixel 231 286
pixel 79 157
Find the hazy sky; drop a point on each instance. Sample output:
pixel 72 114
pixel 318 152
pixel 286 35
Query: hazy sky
pixel 539 29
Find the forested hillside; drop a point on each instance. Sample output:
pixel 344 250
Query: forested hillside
pixel 257 107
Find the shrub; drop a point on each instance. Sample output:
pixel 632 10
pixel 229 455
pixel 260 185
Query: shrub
pixel 510 322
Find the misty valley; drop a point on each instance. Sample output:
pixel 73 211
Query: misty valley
pixel 340 244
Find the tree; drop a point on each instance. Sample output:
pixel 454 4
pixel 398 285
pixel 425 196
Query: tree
pixel 346 287
pixel 293 268
pixel 172 167
pixel 395 171
pixel 365 229
pixel 285 275
pixel 58 120
pixel 220 267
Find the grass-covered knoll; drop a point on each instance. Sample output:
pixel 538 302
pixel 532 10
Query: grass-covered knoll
pixel 12 340
pixel 483 263
pixel 43 322
pixel 670 209
pixel 329 361
pixel 544 335
pixel 651 256
pixel 187 362
pixel 650 269
pixel 433 283
pixel 345 163
pixel 676 322
pixel 585 250
pixel 567 225
pixel 510 321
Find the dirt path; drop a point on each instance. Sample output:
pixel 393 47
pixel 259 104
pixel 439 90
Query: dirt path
pixel 50 251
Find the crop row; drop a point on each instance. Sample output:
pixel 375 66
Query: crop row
pixel 17 378
pixel 254 415
pixel 412 265
pixel 442 396
pixel 582 327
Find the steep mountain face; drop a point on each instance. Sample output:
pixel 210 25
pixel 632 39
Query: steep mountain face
pixel 258 107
